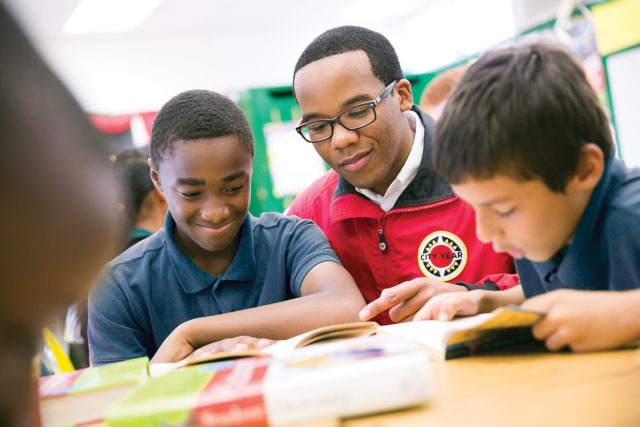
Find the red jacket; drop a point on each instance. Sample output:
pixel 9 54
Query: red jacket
pixel 429 232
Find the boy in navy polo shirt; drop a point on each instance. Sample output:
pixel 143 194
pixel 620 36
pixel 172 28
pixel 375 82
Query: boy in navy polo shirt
pixel 524 140
pixel 214 271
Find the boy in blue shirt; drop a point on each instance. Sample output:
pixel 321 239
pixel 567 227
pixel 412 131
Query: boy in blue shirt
pixel 214 271
pixel 524 140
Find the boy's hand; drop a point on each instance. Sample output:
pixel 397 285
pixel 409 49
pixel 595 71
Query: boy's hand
pixel 405 299
pixel 174 348
pixel 233 344
pixel 586 320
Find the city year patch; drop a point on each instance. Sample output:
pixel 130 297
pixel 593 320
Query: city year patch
pixel 442 256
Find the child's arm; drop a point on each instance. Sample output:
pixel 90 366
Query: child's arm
pixel 587 320
pixel 446 306
pixel 329 295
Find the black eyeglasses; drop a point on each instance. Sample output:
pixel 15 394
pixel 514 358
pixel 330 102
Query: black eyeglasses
pixel 354 118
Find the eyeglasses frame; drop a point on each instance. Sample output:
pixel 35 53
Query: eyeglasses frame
pixel 373 104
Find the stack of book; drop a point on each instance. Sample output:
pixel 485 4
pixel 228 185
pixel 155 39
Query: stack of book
pixel 82 396
pixel 330 373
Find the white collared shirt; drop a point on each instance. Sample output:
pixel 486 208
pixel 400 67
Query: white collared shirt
pixel 406 174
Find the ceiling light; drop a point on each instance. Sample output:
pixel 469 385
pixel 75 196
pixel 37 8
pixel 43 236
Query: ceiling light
pixel 109 16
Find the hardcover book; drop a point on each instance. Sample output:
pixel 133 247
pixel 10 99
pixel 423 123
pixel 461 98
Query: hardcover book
pixel 82 396
pixel 336 379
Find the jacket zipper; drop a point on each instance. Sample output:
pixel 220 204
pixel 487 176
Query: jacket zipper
pixel 382 240
pixel 383 243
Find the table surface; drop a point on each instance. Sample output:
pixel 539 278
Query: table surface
pixel 528 388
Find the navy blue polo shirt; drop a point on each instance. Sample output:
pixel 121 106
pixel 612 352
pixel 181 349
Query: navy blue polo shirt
pixel 151 288
pixel 605 251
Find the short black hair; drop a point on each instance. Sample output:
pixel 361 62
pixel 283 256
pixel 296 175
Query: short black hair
pixel 522 111
pixel 382 56
pixel 196 114
pixel 132 169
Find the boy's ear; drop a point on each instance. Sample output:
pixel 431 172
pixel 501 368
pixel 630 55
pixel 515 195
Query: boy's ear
pixel 155 176
pixel 590 167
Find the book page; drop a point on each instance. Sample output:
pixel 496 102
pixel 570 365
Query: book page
pixel 434 334
pixel 322 334
pixel 438 335
pixel 502 318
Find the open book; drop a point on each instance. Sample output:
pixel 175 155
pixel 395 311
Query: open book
pixel 463 336
pixel 322 334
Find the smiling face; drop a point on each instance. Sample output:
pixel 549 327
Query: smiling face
pixel 207 185
pixel 524 218
pixel 372 156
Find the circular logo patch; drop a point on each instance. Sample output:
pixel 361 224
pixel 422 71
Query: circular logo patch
pixel 442 256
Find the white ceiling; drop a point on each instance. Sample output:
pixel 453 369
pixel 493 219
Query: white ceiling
pixel 231 45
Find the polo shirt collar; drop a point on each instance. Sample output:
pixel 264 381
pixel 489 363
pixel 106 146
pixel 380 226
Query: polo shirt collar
pixel 566 262
pixel 192 279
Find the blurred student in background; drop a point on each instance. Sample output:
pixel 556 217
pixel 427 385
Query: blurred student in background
pixel 58 217
pixel 143 206
pixel 437 91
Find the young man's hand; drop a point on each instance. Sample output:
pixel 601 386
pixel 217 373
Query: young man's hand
pixel 405 299
pixel 447 306
pixel 587 320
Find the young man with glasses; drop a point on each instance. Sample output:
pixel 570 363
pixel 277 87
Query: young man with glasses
pixel 394 223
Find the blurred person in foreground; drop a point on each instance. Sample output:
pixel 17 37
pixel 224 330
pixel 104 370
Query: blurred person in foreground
pixel 58 217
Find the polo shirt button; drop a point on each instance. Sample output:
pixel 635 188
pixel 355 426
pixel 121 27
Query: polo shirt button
pixel 551 276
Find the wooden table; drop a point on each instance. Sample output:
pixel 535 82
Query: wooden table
pixel 528 389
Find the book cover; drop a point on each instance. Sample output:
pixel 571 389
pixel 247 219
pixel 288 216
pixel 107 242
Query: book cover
pixel 83 395
pixel 337 379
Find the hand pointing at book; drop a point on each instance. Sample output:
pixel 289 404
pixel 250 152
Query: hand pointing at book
pixel 449 305
pixel 405 299
pixel 441 306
